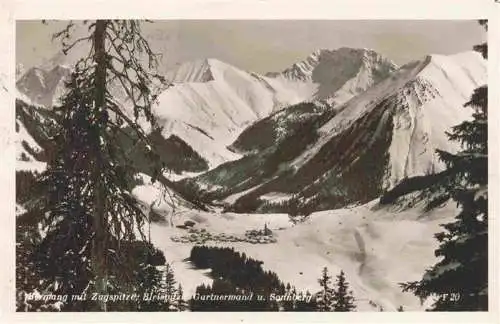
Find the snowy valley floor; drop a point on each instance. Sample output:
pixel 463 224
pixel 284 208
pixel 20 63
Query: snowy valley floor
pixel 377 247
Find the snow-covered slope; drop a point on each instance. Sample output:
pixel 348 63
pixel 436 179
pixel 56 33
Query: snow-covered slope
pixel 426 99
pixel 419 127
pixel 43 87
pixel 25 139
pixel 377 247
pixel 211 102
pixel 339 74
pixel 356 151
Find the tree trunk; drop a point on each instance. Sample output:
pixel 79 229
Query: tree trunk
pixel 99 244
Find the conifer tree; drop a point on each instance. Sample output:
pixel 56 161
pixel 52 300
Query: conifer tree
pixel 88 211
pixel 325 297
pixel 459 281
pixel 169 280
pixel 289 305
pixel 147 281
pixel 182 305
pixel 343 301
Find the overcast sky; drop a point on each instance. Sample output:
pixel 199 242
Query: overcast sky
pixel 271 45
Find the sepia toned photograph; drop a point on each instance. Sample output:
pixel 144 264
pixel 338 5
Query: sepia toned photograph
pixel 251 165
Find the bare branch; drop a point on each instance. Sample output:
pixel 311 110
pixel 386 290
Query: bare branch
pixel 67 48
pixel 65 33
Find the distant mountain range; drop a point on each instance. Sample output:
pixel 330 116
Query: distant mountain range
pixel 341 126
pixel 211 102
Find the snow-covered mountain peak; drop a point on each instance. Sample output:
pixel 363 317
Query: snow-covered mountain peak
pixel 339 74
pixel 193 71
pixel 341 51
pixel 205 70
pixel 461 70
pixel 425 99
pixel 345 56
pixel 464 57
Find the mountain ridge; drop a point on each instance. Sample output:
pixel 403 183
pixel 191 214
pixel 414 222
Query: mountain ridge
pixel 366 146
pixel 211 102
